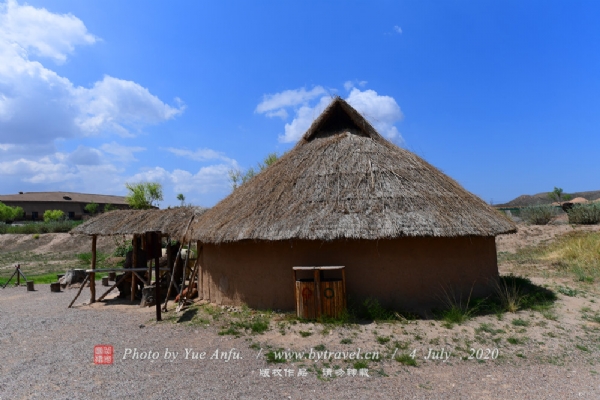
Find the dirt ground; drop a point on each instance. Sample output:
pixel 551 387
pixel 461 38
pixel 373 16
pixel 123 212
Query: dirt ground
pixel 550 353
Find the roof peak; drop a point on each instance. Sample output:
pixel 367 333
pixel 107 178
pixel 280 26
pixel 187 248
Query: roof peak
pixel 340 117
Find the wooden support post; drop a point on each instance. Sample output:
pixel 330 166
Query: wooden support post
pixel 87 276
pixel 200 271
pixel 112 287
pixel 344 286
pixel 134 265
pixel 147 246
pixel 172 282
pixel 317 275
pixel 169 258
pixel 93 274
pixel 185 263
pixel 156 249
pixel 18 275
pixel 295 291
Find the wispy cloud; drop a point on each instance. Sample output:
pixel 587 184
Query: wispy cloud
pixel 123 154
pixel 273 104
pixel 348 85
pixel 397 29
pixel 200 154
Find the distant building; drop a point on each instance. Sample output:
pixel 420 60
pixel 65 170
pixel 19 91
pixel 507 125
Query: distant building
pixel 72 204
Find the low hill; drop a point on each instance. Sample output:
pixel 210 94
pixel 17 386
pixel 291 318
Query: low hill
pixel 542 198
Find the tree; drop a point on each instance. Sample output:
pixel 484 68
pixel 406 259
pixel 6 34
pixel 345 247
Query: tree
pixel 143 195
pixel 181 198
pixel 237 177
pixel 53 215
pixel 558 196
pixel 9 214
pixel 109 207
pixel 92 208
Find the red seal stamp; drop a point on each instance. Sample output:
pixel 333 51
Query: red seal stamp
pixel 103 354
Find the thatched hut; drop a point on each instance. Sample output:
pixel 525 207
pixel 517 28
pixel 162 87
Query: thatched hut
pixel 344 195
pixel 173 222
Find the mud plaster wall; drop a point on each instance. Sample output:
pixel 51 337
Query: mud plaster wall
pixel 406 273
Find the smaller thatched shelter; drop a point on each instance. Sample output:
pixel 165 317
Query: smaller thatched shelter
pixel 172 221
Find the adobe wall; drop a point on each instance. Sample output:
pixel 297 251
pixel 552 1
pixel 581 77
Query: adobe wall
pixel 406 273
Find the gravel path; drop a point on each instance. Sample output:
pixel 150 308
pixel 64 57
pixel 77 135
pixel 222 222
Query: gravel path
pixel 46 352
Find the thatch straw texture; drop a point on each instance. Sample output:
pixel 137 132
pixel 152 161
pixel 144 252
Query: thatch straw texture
pixel 345 181
pixel 173 221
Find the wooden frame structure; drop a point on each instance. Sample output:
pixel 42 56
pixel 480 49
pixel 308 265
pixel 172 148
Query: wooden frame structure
pixel 146 227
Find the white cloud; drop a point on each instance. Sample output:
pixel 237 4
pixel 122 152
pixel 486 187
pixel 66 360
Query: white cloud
pixel 305 116
pixel 348 85
pixel 200 154
pixel 115 104
pixel 288 98
pixel 213 179
pixel 37 106
pixel 85 156
pixel 281 113
pixel 382 112
pixel 397 29
pixel 75 171
pixel 40 32
pixel 122 153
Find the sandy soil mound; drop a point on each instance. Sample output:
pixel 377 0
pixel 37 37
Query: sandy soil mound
pixel 532 235
pixel 54 242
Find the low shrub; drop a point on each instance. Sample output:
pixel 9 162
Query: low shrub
pixel 585 214
pixel 539 214
pixel 53 215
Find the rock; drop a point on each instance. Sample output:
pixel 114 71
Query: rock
pixel 71 277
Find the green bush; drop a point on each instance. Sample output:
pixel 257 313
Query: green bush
pixel 538 215
pixel 585 214
pixel 8 213
pixel 53 215
pixel 37 227
pixel 92 208
pixel 61 226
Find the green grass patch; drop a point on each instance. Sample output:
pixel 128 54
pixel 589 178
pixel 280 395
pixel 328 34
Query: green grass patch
pixel 406 359
pixel 514 340
pixel 520 322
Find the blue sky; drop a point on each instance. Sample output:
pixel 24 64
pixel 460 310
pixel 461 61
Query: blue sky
pixel 503 96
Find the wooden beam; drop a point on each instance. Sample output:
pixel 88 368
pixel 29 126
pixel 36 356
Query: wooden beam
pixel 80 289
pixel 93 274
pixel 156 239
pixel 317 275
pixel 112 287
pixel 134 265
pixel 177 258
pixel 200 272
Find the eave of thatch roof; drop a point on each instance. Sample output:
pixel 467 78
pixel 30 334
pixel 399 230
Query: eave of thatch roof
pixel 345 181
pixel 173 221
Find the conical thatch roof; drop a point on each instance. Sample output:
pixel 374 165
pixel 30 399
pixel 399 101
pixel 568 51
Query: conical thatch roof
pixel 343 180
pixel 173 221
